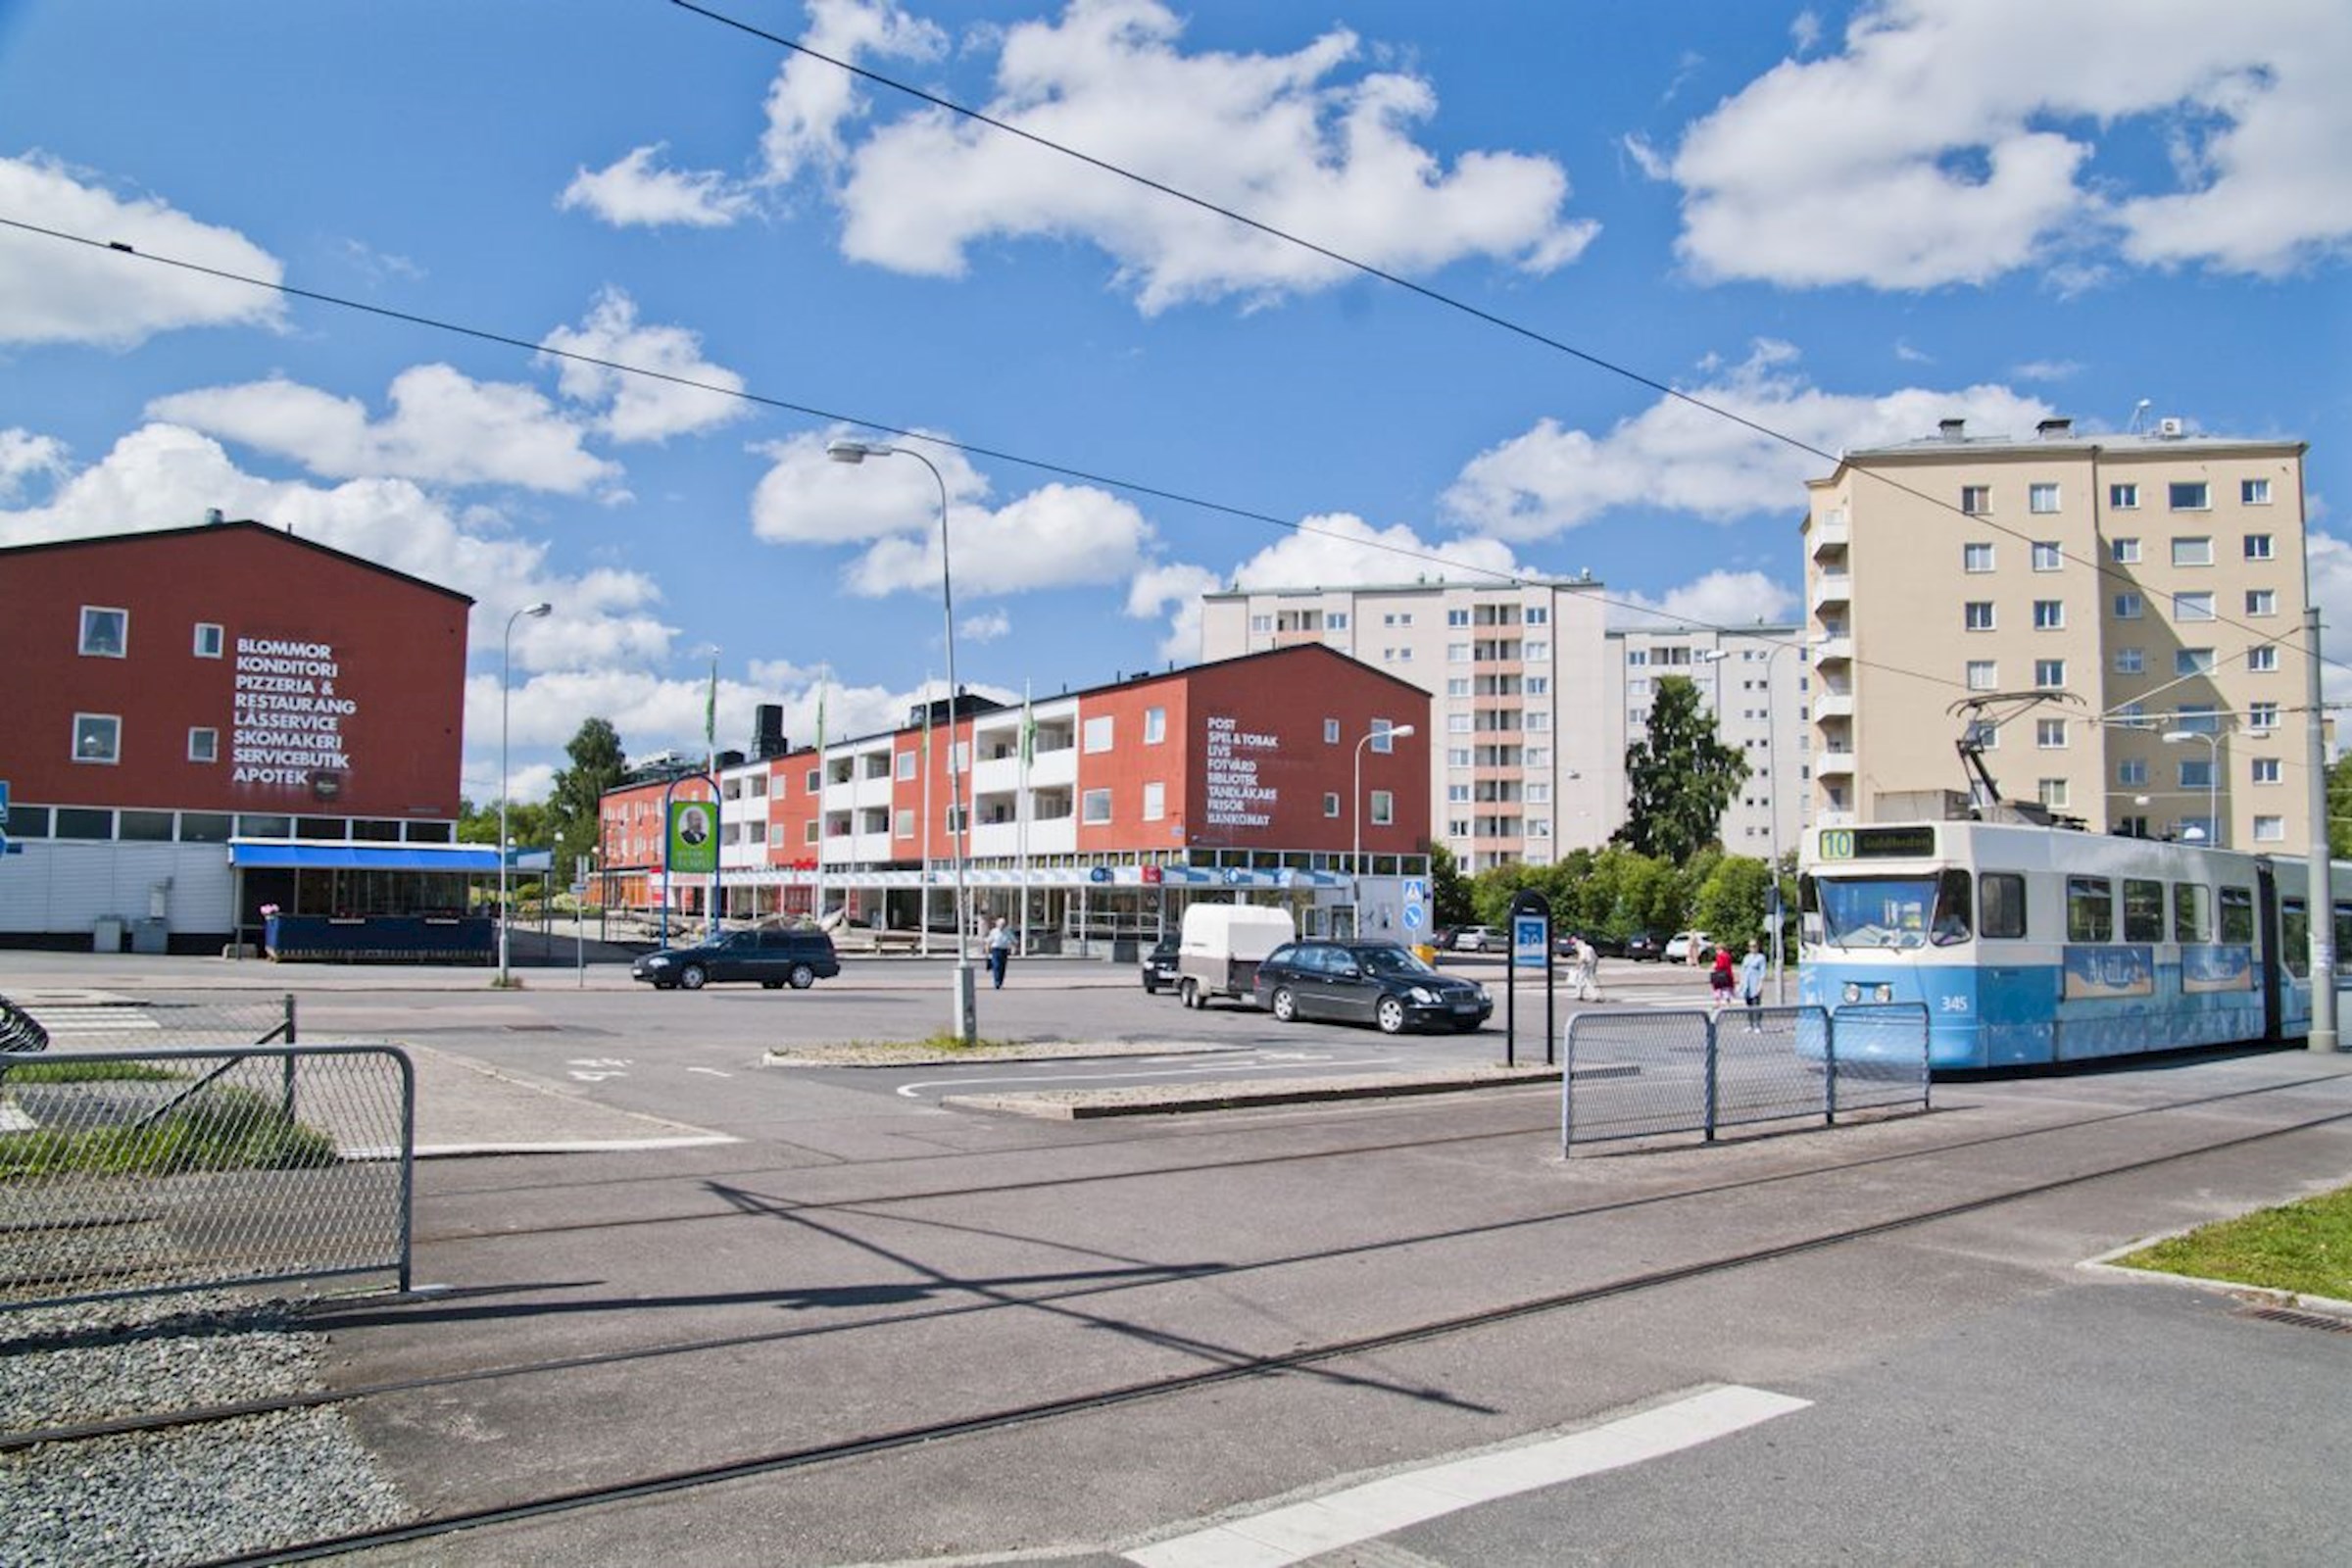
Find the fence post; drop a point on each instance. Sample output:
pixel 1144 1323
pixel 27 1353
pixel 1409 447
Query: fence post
pixel 286 1066
pixel 1567 1094
pixel 1829 1052
pixel 1713 1075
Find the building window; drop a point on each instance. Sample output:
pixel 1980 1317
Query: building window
pixel 1457 723
pixel 1155 726
pixel 1537 719
pixel 1977 614
pixel 1261 623
pixel 2262 601
pixel 1331 803
pixel 2266 771
pixel 204 745
pixel 1099 733
pixel 902 824
pixel 1384 807
pixel 2192 661
pixel 207 640
pixel 1539 685
pixel 2192 606
pixel 2192 552
pixel 1458 652
pixel 1155 801
pixel 2124 497
pixel 907 762
pixel 1095 807
pixel 2263 658
pixel 1331 732
pixel 2270 829
pixel 2049 614
pixel 97 738
pixel 2124 552
pixel 2258 547
pixel 1539 615
pixel 1458 757
pixel 1976 558
pixel 2041 498
pixel 2190 495
pixel 2131 661
pixel 1457 617
pixel 2254 492
pixel 1336 620
pixel 814 781
pixel 2049 734
pixel 1538 651
pixel 1983 675
pixel 2053 792
pixel 2262 716
pixel 2049 673
pixel 2128 606
pixel 1457 686
pixel 2131 773
pixel 2048 556
pixel 105 633
pixel 1976 499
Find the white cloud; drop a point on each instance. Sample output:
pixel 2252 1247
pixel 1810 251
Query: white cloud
pixel 1273 137
pixel 162 476
pixel 988 627
pixel 1717 599
pixel 53 291
pixel 1340 550
pixel 1674 456
pixel 1804 31
pixel 2329 561
pixel 1654 164
pixel 810 101
pixel 1904 352
pixel 1055 537
pixel 636 192
pixel 2047 370
pixel 444 428
pixel 1173 591
pixel 1951 141
pixel 26 458
pixel 642 408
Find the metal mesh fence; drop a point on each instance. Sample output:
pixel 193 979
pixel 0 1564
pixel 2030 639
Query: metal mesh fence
pixel 1638 1073
pixel 136 1172
pixel 119 1023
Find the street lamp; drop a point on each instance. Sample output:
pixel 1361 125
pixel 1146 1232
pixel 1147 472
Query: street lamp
pixel 1355 799
pixel 506 656
pixel 843 450
pixel 2212 778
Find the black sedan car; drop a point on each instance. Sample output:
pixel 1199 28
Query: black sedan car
pixel 1367 982
pixel 1160 966
pixel 778 957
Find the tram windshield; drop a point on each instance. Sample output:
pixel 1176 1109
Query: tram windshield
pixel 1890 911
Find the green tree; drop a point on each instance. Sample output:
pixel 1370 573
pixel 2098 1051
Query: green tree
pixel 1679 778
pixel 2339 808
pixel 1448 890
pixel 527 822
pixel 1729 905
pixel 597 765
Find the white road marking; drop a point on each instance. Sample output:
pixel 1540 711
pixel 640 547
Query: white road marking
pixel 711 1072
pixel 1294 1532
pixel 594 1077
pixel 911 1091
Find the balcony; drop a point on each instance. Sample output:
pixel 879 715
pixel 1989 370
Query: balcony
pixel 1832 531
pixel 1831 588
pixel 1833 705
pixel 1833 765
pixel 1837 649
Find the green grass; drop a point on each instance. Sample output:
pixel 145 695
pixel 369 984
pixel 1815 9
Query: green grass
pixel 2303 1247
pixel 223 1129
pixel 68 1071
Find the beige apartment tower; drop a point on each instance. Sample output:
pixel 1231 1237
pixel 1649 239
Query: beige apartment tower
pixel 2132 606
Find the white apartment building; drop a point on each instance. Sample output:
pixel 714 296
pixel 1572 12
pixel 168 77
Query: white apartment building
pixel 2146 591
pixel 1756 682
pixel 1527 762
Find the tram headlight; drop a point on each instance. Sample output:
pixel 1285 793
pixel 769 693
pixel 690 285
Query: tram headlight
pixel 1855 991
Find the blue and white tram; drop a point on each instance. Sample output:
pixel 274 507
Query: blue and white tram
pixel 2037 944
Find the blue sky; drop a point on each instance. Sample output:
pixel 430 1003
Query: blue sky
pixel 1845 223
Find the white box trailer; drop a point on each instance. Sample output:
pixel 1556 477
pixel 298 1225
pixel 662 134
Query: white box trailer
pixel 1221 946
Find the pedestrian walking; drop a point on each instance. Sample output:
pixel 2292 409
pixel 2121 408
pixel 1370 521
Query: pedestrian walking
pixel 1719 979
pixel 1000 952
pixel 1588 971
pixel 1751 985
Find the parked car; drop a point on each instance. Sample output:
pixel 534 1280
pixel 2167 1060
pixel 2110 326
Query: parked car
pixel 775 955
pixel 1159 965
pixel 1642 946
pixel 1690 947
pixel 1367 982
pixel 1476 939
pixel 1221 946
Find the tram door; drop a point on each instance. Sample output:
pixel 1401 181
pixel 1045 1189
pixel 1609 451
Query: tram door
pixel 2270 962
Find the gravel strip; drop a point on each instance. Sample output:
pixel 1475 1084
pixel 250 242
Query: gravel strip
pixel 899 1054
pixel 181 1496
pixel 1151 1099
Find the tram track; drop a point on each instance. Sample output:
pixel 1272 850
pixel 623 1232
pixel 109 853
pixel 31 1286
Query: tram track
pixel 1009 1418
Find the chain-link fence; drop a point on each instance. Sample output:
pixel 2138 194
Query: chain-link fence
pixel 139 1172
pixel 1644 1072
pixel 141 1023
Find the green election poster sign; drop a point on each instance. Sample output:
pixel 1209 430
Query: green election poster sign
pixel 693 836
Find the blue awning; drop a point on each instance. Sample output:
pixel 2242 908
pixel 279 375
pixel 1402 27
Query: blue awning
pixel 449 857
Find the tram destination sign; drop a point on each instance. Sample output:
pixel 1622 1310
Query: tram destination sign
pixel 1908 843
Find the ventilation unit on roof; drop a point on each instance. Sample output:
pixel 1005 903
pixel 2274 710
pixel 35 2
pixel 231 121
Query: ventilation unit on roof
pixel 2172 429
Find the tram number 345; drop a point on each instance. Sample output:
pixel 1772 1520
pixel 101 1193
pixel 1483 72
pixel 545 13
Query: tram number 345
pixel 1953 1004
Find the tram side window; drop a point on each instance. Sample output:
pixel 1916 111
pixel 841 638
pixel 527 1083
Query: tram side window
pixel 2294 937
pixel 2238 914
pixel 2002 911
pixel 2192 913
pixel 1952 899
pixel 2089 910
pixel 2344 938
pixel 2143 910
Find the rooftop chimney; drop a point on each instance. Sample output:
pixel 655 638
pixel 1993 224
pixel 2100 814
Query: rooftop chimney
pixel 1952 429
pixel 2054 429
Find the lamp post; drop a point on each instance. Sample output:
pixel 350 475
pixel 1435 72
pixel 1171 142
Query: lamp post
pixel 505 657
pixel 843 450
pixel 1355 799
pixel 2212 778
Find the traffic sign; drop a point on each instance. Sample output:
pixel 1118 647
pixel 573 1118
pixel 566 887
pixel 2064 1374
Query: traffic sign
pixel 3 803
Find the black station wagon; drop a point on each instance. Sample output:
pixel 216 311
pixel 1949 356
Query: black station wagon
pixel 774 958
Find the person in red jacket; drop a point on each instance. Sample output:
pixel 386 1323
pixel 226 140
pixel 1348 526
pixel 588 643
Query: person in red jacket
pixel 1722 978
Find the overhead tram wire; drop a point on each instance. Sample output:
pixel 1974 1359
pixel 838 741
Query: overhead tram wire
pixel 1422 558
pixel 1435 296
